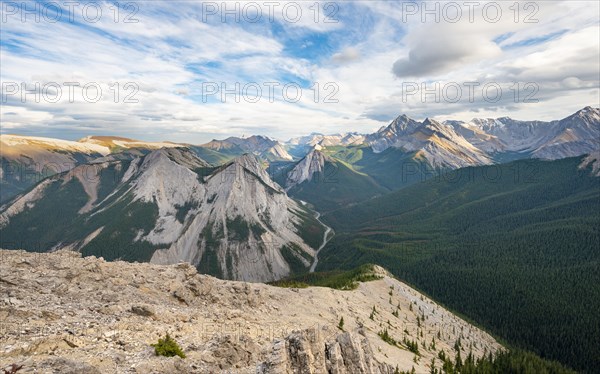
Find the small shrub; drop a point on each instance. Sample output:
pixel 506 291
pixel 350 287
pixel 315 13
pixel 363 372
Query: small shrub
pixel 168 347
pixel 412 346
pixel 386 337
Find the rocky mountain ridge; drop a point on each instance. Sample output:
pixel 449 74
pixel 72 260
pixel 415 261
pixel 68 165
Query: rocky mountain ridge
pixel 169 206
pixel 63 313
pixel 437 142
pixel 455 144
pixel 574 135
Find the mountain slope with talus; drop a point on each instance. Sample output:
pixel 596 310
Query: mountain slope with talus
pixel 168 206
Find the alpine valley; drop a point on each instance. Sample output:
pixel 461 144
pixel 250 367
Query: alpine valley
pixel 498 220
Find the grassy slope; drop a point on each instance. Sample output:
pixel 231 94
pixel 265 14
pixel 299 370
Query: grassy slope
pixel 513 247
pixel 337 279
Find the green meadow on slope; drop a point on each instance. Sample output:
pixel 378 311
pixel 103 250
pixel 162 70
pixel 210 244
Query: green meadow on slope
pixel 393 168
pixel 215 157
pixel 514 247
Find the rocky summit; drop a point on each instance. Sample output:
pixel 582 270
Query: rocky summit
pixel 63 313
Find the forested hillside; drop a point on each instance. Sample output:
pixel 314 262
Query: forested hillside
pixel 515 247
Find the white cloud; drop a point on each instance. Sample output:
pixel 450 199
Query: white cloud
pixel 347 55
pixel 170 52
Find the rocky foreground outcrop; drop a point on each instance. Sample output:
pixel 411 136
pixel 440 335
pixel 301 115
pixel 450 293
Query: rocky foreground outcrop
pixel 60 313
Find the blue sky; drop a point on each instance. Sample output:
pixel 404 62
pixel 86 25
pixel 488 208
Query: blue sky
pixel 330 67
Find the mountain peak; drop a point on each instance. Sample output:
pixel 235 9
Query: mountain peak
pixel 403 118
pixel 430 121
pixel 588 117
pixel 181 155
pixel 313 162
pixel 249 162
pixel 315 150
pixel 436 126
pixel 400 125
pixel 588 111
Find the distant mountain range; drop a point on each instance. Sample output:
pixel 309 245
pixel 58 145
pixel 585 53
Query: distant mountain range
pixel 455 144
pixel 448 145
pixel 26 160
pixel 259 145
pixel 215 204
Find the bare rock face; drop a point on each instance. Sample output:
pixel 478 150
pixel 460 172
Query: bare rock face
pixel 593 160
pixel 313 162
pixel 316 351
pixel 239 198
pixel 65 366
pixel 574 135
